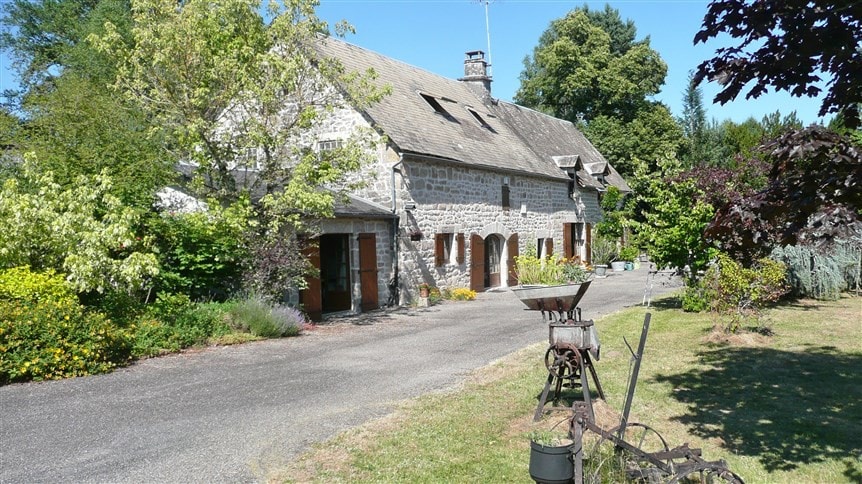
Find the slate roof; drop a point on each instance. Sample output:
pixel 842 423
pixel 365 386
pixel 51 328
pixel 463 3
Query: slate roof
pixel 356 207
pixel 514 138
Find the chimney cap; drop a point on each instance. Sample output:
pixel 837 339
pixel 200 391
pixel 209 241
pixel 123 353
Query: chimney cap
pixel 475 55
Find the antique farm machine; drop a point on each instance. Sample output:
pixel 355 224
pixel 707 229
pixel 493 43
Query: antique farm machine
pixel 629 451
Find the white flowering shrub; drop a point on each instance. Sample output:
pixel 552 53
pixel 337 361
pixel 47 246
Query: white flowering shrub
pixel 80 230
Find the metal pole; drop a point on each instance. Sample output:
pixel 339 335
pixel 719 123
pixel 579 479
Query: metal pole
pixel 633 382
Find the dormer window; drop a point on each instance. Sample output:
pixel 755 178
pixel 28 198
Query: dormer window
pixel 481 120
pixel 438 108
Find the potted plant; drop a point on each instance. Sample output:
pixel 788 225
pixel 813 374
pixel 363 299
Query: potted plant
pixel 550 282
pixel 604 250
pixel 629 254
pixel 551 457
pixel 424 290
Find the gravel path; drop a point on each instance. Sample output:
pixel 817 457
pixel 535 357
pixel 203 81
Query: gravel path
pixel 228 414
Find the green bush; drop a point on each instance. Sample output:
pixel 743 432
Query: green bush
pixel 551 271
pixel 202 253
pixel 741 293
pixel 267 321
pixel 23 285
pixel 604 251
pixel 173 322
pixel 57 339
pixel 629 253
pixel 696 299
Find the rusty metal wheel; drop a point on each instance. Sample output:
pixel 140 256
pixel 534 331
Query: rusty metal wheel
pixel 559 363
pixel 605 462
pixel 708 472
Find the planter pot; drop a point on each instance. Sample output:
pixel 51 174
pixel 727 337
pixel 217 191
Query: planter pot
pixel 601 270
pixel 424 292
pixel 630 266
pixel 552 298
pixel 618 265
pixel 551 465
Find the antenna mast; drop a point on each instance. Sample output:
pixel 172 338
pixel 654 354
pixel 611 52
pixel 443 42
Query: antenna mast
pixel 488 34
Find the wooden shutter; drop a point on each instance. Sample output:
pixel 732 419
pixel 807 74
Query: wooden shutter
pixel 439 249
pixel 588 244
pixel 549 247
pixel 368 271
pixel 477 263
pixel 568 244
pixel 460 241
pixel 311 297
pixel 513 252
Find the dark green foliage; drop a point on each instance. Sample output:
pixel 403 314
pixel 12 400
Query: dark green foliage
pixel 173 322
pixel 822 273
pixel 202 254
pixel 613 216
pixel 57 339
pixel 588 68
pixel 697 298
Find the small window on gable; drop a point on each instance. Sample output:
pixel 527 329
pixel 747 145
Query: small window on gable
pixel 438 108
pixel 481 120
pixel 330 144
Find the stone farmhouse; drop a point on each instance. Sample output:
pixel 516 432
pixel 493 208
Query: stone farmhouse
pixel 461 185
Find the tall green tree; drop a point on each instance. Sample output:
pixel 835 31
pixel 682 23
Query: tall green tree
pixel 73 123
pixel 588 68
pixel 702 145
pixel 241 100
pixel 232 92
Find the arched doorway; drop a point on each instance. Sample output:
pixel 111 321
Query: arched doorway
pixel 494 265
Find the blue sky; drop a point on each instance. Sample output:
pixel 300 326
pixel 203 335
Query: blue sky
pixel 435 34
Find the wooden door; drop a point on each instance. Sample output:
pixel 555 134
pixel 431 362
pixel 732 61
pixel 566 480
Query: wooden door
pixel 311 298
pixel 568 242
pixel 368 271
pixel 512 249
pixel 335 272
pixel 477 263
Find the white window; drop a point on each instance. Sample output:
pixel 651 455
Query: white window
pixel 330 144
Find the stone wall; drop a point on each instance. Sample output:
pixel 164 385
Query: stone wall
pixel 457 199
pixel 446 197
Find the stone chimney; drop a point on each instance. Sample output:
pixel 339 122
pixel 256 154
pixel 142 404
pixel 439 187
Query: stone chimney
pixel 476 74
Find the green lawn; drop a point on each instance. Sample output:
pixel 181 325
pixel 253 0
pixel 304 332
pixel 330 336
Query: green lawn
pixel 785 408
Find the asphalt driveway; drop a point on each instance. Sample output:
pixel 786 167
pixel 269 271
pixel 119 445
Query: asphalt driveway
pixel 228 414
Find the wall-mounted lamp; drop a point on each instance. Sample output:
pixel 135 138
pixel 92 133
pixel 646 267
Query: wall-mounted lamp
pixel 506 180
pixel 410 206
pixel 523 209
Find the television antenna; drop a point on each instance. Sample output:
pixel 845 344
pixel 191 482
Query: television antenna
pixel 487 32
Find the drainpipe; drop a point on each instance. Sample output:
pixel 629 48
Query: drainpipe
pixel 394 282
